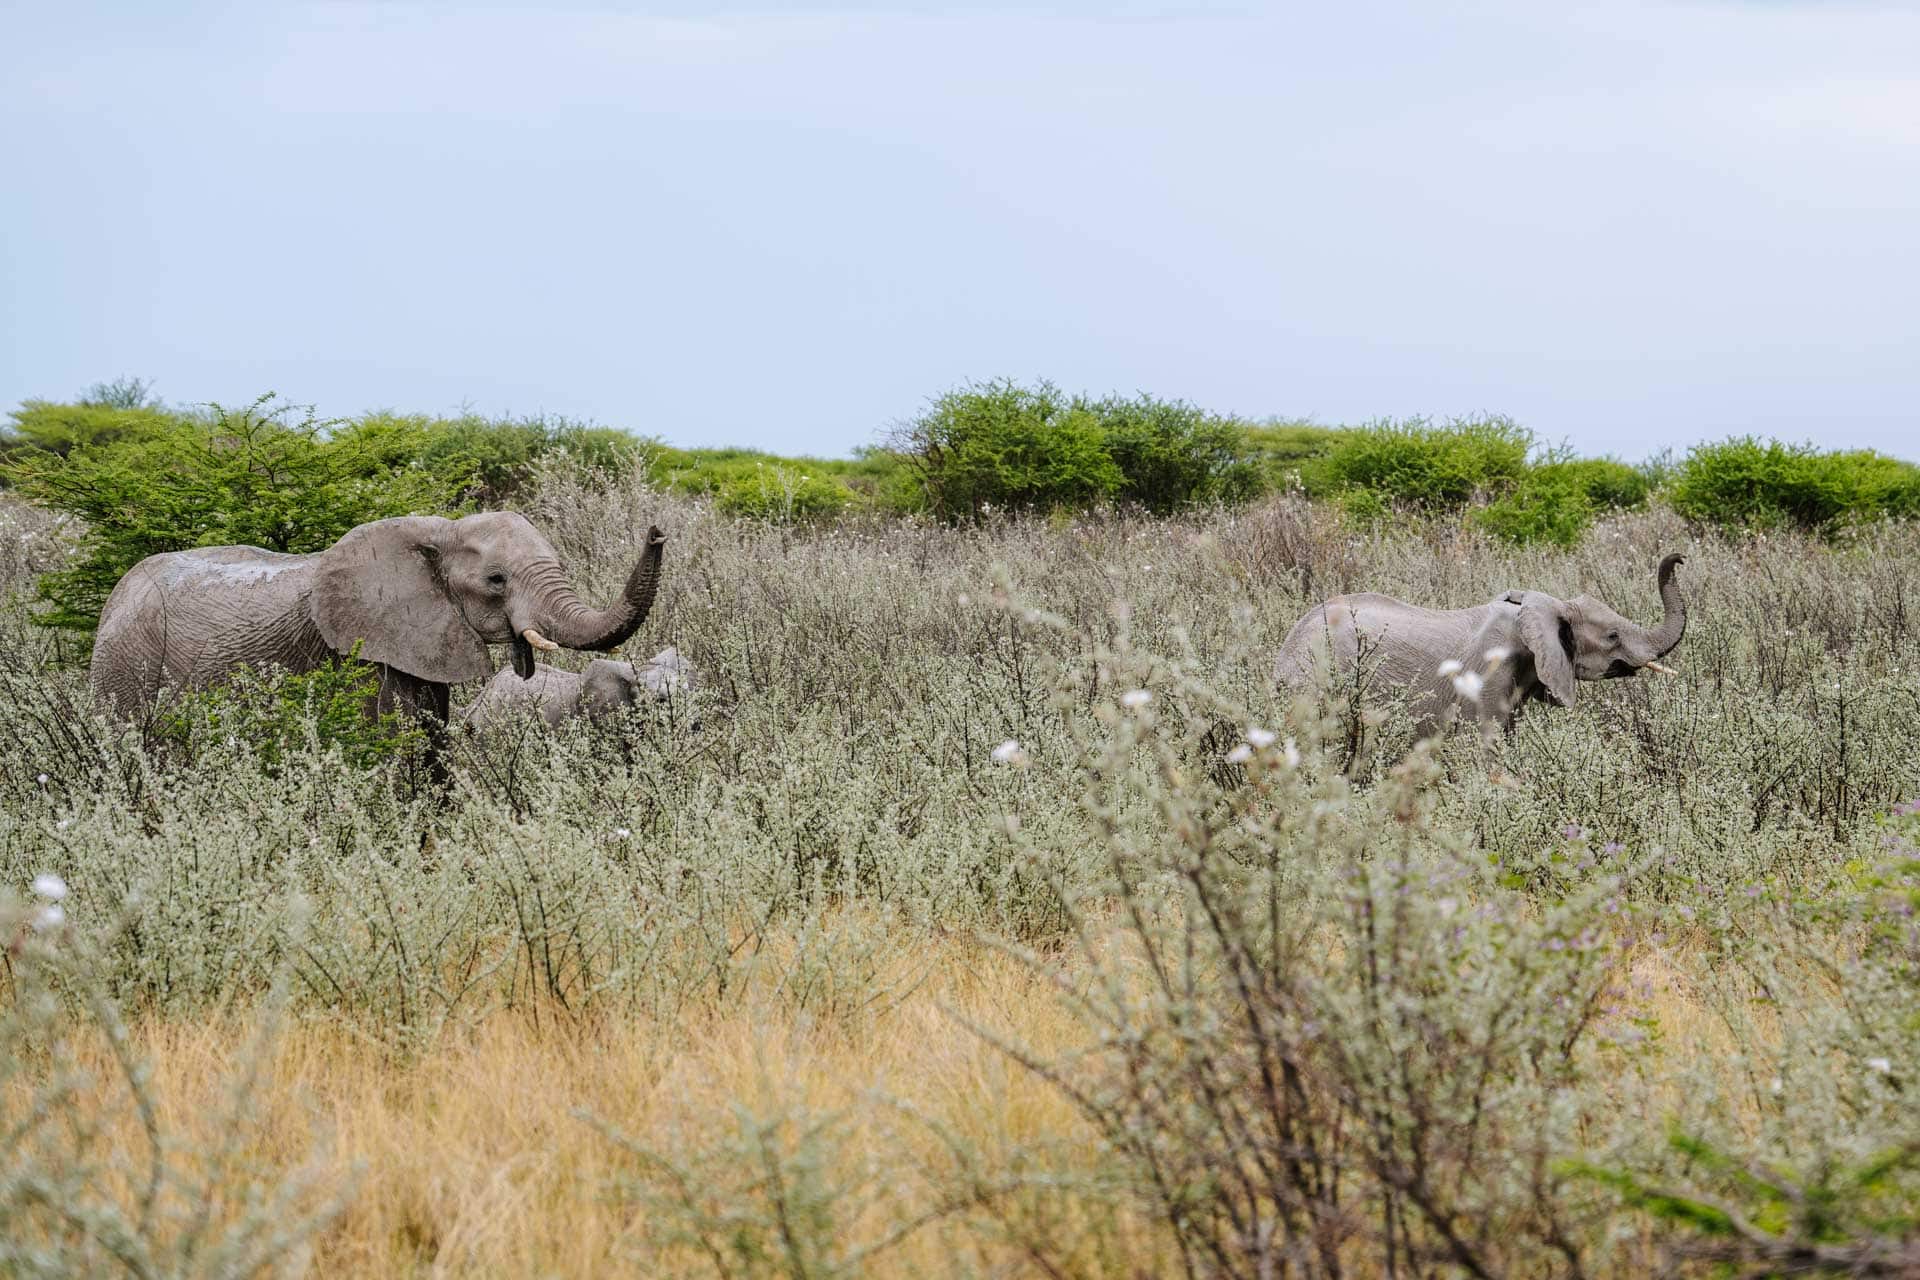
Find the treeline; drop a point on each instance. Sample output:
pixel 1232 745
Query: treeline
pixel 147 477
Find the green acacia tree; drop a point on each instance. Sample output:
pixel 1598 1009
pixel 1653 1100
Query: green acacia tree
pixel 266 475
pixel 1747 482
pixel 1173 454
pixel 999 444
pixel 1012 447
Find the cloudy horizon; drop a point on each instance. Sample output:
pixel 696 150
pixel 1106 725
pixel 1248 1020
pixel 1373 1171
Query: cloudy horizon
pixel 1627 226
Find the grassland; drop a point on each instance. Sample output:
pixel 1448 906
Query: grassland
pixel 825 988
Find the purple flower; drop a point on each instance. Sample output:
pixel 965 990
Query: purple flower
pixel 1574 831
pixel 1612 846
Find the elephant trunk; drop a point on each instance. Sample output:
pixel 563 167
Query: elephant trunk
pixel 1655 643
pixel 1665 636
pixel 567 622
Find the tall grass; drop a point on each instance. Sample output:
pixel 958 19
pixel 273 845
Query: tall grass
pixel 1440 952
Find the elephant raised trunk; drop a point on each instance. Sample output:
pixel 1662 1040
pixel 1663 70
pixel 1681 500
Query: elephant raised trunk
pixel 567 622
pixel 1664 637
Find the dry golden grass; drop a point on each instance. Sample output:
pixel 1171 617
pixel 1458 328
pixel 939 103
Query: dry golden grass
pixel 472 1156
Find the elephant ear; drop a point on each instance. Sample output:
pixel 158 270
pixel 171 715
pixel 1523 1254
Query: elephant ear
pixel 381 586
pixel 1548 635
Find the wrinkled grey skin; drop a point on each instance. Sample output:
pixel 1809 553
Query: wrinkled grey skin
pixel 1539 646
pixel 423 596
pixel 605 686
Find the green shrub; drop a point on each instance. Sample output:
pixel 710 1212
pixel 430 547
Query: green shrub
pixel 278 715
pixel 58 429
pixel 1608 483
pixel 777 492
pixel 1173 455
pixel 1750 483
pixel 1290 454
pixel 252 476
pixel 1417 465
pixel 1550 504
pixel 1364 507
pixel 496 453
pixel 757 485
pixel 1002 445
pixel 1006 446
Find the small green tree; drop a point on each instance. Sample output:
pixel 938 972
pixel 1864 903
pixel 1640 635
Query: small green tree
pixel 498 453
pixel 1548 505
pixel 1750 483
pixel 1289 453
pixel 1172 454
pixel 999 444
pixel 1431 468
pixel 59 429
pixel 1609 484
pixel 258 476
pixel 783 493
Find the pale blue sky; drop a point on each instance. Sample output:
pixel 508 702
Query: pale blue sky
pixel 1626 224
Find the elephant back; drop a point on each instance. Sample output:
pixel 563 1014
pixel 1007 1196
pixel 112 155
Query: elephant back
pixel 184 619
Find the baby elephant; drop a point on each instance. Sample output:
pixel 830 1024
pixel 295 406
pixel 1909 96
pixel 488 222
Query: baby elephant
pixel 604 686
pixel 1482 662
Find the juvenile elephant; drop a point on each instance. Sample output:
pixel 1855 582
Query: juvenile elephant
pixel 422 596
pixel 603 687
pixel 1485 661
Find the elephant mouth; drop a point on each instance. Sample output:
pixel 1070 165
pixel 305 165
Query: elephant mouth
pixel 1619 669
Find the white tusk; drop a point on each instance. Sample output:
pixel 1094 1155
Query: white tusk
pixel 539 641
pixel 1661 667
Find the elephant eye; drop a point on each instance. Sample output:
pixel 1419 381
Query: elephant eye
pixel 496 579
pixel 1613 635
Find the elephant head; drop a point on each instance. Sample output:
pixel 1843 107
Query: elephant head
pixel 607 685
pixel 1584 639
pixel 427 595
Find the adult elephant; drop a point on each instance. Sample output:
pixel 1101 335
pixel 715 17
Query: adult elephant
pixel 422 597
pixel 1485 661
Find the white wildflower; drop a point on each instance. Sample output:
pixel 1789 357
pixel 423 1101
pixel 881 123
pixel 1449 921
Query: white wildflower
pixel 43 779
pixel 1468 686
pixel 1292 753
pixel 49 886
pixel 1498 654
pixel 1009 752
pixel 51 916
pixel 1451 667
pixel 1777 1087
pixel 1262 738
pixel 1883 1065
pixel 1134 699
pixel 63 824
pixel 621 833
pixel 1240 754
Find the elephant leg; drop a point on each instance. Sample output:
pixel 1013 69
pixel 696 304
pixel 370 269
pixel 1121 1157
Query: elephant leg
pixel 429 704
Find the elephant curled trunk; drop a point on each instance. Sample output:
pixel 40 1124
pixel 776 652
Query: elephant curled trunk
pixel 1665 636
pixel 563 620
